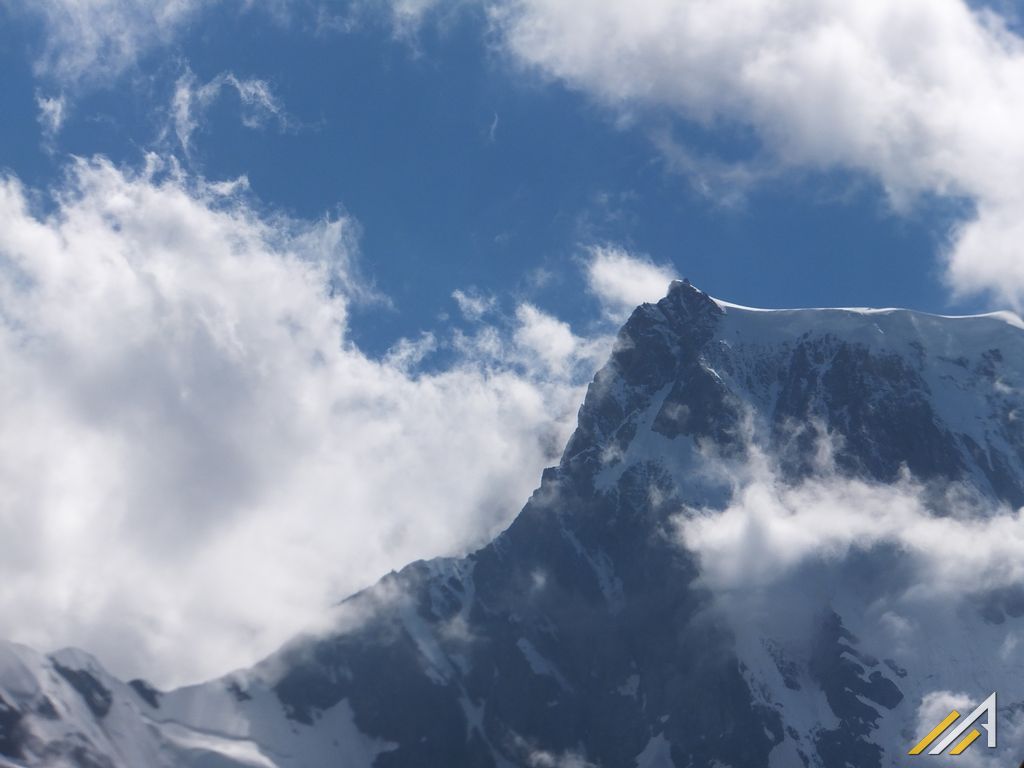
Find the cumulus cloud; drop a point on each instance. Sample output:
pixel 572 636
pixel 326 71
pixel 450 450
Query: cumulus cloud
pixel 191 100
pixel 622 280
pixel 922 95
pixel 550 343
pixel 196 460
pixel 534 340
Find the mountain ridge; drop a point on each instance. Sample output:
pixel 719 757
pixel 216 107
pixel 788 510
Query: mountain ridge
pixel 587 632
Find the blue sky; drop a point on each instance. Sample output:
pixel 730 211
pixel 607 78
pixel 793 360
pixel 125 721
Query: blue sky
pixel 295 292
pixel 396 130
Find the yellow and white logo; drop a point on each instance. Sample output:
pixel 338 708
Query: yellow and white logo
pixel 986 709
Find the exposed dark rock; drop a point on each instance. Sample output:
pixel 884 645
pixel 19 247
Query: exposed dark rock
pixel 146 692
pixel 12 737
pixel 96 695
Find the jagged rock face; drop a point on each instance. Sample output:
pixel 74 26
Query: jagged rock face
pixel 570 630
pixel 585 632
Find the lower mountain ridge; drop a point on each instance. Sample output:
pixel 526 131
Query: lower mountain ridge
pixel 619 620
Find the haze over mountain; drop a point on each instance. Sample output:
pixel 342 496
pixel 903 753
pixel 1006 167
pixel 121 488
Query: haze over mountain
pixel 776 538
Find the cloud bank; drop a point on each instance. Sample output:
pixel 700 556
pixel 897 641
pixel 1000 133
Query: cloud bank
pixel 196 461
pixel 772 528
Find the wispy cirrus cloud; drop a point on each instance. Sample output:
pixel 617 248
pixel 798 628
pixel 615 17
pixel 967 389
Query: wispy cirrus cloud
pixel 92 41
pixel 192 99
pixel 52 114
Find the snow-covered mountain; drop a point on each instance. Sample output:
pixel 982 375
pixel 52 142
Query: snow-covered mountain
pixel 776 538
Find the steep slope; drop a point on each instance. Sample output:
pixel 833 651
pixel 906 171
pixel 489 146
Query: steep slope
pixel 594 631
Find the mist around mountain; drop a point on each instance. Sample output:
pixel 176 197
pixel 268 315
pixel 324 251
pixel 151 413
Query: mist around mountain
pixel 776 538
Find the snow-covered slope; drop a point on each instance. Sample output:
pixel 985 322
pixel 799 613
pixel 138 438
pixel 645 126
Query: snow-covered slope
pixel 643 609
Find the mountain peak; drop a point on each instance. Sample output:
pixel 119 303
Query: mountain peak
pixel 685 300
pixel 888 387
pixel 588 629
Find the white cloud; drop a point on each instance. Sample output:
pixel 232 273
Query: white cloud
pixel 52 112
pixel 535 341
pixel 408 14
pixel 534 757
pixel 90 42
pixel 404 18
pixel 94 40
pixel 544 759
pixel 772 528
pixel 723 183
pixel 547 337
pixel 191 100
pixel 621 280
pixel 549 343
pixel 923 95
pixel 472 304
pixel 195 457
